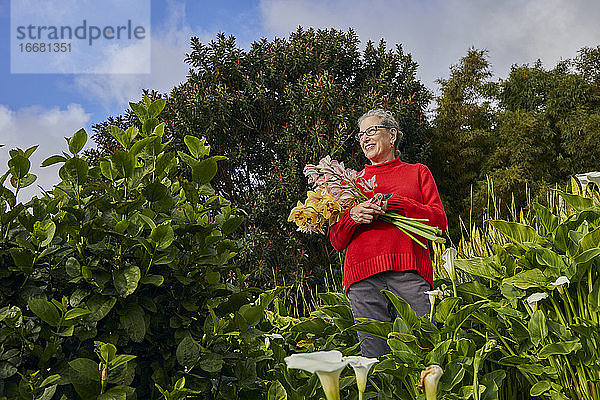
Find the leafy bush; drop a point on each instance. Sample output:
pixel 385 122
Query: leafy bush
pixel 121 277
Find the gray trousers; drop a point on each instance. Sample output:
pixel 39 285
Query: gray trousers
pixel 367 301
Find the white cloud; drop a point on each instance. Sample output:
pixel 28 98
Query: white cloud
pixel 170 41
pixel 30 126
pixel 439 32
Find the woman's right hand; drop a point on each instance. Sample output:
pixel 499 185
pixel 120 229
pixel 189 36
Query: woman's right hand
pixel 365 212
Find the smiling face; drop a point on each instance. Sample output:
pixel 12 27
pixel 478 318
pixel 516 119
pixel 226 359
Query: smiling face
pixel 378 148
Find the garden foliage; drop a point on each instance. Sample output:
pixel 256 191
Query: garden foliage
pixel 118 283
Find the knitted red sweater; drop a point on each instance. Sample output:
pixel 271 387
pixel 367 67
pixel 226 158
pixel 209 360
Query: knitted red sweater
pixel 379 246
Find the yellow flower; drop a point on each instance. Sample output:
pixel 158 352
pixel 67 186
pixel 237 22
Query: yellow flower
pixel 298 213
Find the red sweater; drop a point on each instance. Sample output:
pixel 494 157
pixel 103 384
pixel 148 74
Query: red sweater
pixel 379 246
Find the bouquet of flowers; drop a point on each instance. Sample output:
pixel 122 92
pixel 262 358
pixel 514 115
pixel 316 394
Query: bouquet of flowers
pixel 337 188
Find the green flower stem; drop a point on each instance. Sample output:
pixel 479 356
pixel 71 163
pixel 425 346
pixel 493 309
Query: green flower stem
pixel 582 313
pixel 558 312
pixel 593 315
pixel 583 382
pixel 571 308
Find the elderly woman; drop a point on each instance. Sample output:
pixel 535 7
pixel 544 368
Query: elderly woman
pixel 379 256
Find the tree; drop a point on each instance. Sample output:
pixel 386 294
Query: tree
pixel 462 131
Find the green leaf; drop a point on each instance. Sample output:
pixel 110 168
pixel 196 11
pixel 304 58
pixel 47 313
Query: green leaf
pixel 155 191
pixel 48 393
pixel 118 134
pixel 50 380
pixel 44 231
pixel 133 322
pixel 188 352
pixel 126 280
pixel 124 163
pixel 149 125
pixel 120 360
pixel 30 151
pixel 162 236
pixel 196 146
pixel 108 170
pixel 445 308
pixel 76 312
pixel 439 353
pixel 107 352
pixel 594 297
pixel 100 306
pixel 155 280
pixel 19 166
pixel 114 393
pixel 478 266
pixel 139 110
pixel 75 170
pixel 211 362
pixel 140 145
pixel 590 240
pixel 130 134
pixel 53 160
pixel 577 202
pixel 367 325
pixel 276 391
pixel 559 348
pixel 548 220
pixel 540 388
pixel 27 180
pixel 7 370
pixel 231 225
pixel 156 107
pixel 204 171
pixel 403 308
pixel 518 233
pixel 159 130
pixel 87 368
pixel 533 278
pixel 45 310
pixel 537 327
pixel 77 141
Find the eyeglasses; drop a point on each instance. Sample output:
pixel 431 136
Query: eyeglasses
pixel 370 131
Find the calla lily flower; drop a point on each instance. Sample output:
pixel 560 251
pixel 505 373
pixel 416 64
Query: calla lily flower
pixel 328 366
pixel 361 366
pixel 432 295
pixel 448 257
pixel 588 177
pixel 269 336
pixel 560 282
pixel 430 378
pixel 535 298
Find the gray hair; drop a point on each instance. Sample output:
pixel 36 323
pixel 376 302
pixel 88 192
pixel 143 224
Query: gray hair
pixel 386 118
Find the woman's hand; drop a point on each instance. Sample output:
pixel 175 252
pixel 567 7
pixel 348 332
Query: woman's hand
pixel 366 212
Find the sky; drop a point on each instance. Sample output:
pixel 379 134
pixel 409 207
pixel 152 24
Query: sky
pixel 44 108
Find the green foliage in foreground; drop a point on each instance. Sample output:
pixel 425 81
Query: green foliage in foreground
pixel 105 281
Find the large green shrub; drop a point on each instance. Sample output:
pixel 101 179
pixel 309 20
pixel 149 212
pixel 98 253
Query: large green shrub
pixel 121 278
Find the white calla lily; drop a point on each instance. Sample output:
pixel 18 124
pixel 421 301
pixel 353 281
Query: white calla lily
pixel 560 282
pixel 586 178
pixel 328 366
pixel 430 378
pixel 535 298
pixel 269 336
pixel 448 257
pixel 361 366
pixel 432 295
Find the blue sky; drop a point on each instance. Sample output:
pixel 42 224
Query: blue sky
pixel 43 108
